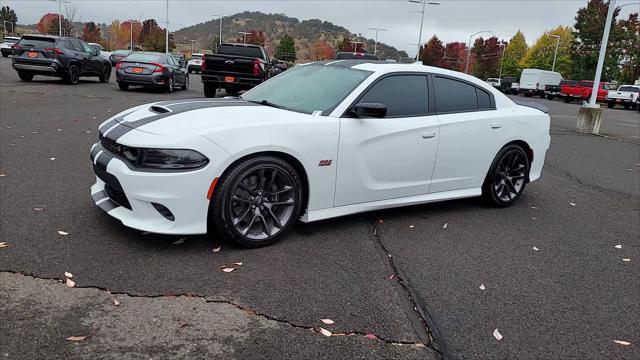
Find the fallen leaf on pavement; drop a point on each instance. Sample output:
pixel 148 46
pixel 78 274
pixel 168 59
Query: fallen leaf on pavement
pixel 572 204
pixel 325 332
pixel 411 226
pixel 238 263
pixel 482 287
pixel 327 321
pixel 63 233
pixel 2 175
pixel 38 208
pixel 497 335
pixel 622 342
pixel 116 302
pixel 215 250
pixel 535 248
pixel 68 274
pixel 618 246
pixel 446 225
pixel 371 337
pixel 179 241
pixel 227 269
pixel 534 208
pixel 3 244
pixel 52 158
pixel 626 260
pixel 70 283
pixel 76 338
pixel 391 277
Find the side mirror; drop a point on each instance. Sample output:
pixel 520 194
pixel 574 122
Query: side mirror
pixel 96 52
pixel 369 110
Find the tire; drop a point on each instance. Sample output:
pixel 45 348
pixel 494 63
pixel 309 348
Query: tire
pixel 170 85
pixel 123 86
pixel 550 97
pixel 5 55
pixel 610 104
pixel 209 90
pixel 527 94
pixel 567 99
pixel 73 75
pixel 185 86
pixel 105 75
pixel 626 106
pixel 25 76
pixel 507 177
pixel 247 189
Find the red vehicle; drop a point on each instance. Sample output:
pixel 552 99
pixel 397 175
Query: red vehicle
pixel 582 91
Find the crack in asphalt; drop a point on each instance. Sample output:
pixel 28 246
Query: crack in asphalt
pixel 238 306
pixel 422 321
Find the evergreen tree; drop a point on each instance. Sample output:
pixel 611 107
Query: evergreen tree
pixel 513 55
pixel 7 14
pixel 287 49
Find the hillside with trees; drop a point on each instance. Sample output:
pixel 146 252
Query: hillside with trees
pixel 313 39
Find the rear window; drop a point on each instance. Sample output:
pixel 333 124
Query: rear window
pixel 36 42
pixel 142 57
pixel 248 51
pixel 11 40
pixel 568 83
pixel 585 83
pixel 357 56
pixel 196 57
pixel 455 96
pixel 629 88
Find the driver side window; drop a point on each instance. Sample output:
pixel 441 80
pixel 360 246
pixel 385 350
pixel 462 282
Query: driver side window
pixel 403 95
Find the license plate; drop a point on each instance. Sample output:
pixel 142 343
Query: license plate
pixel 619 100
pixel 229 79
pixel 138 70
pixel 32 54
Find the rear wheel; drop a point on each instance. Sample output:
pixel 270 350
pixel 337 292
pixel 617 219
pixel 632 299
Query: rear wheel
pixel 123 86
pixel 507 177
pixel 209 90
pixel 25 76
pixel 550 97
pixel 185 86
pixel 567 99
pixel 105 75
pixel 610 104
pixel 626 106
pixel 257 201
pixel 73 75
pixel 170 85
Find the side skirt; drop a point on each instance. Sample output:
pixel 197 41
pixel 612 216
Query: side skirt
pixel 322 214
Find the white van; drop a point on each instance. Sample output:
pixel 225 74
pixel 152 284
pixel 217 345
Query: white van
pixel 534 81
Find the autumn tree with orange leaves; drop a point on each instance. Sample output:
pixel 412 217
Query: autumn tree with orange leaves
pixel 321 50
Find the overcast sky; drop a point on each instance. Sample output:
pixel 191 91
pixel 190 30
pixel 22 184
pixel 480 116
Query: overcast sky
pixel 452 20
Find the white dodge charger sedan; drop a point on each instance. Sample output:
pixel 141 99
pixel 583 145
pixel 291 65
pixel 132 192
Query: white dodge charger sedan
pixel 321 140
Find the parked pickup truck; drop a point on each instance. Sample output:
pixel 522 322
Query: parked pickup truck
pixel 626 95
pixel 235 67
pixel 582 91
pixel 553 91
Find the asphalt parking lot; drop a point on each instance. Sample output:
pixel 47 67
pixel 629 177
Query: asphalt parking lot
pixel 423 282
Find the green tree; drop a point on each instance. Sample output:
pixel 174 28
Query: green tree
pixel 588 31
pixel 286 50
pixel 540 55
pixel 629 43
pixel 514 52
pixel 215 43
pixel 7 14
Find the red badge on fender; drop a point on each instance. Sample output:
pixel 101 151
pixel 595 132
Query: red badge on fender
pixel 325 162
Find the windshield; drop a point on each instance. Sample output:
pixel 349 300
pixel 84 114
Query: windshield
pixel 146 57
pixel 239 50
pixel 629 89
pixel 308 88
pixel 36 42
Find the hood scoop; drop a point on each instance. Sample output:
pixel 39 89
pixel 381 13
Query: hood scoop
pixel 159 109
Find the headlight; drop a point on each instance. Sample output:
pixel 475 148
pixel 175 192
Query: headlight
pixel 169 159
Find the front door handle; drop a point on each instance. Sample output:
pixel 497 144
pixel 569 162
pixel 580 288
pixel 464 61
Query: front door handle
pixel 428 134
pixel 496 125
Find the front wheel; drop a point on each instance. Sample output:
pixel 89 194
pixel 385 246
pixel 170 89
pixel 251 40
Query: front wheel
pixel 73 75
pixel 105 75
pixel 170 85
pixel 185 86
pixel 209 90
pixel 25 76
pixel 507 177
pixel 257 201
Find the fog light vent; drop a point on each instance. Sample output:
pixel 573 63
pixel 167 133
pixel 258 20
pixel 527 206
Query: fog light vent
pixel 164 211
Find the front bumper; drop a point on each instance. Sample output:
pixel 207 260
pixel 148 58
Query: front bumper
pixel 129 195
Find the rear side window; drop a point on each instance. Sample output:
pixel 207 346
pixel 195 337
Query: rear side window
pixel 248 51
pixel 568 83
pixel 455 96
pixel 404 95
pixel 36 42
pixel 484 99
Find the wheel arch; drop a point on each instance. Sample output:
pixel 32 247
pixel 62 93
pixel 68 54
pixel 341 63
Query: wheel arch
pixel 292 160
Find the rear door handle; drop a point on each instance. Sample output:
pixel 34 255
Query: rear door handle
pixel 496 125
pixel 428 134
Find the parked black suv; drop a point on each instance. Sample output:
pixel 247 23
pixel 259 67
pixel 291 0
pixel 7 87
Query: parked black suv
pixel 64 57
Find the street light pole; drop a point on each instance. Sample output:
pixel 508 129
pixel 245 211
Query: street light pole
pixel 424 5
pixel 603 51
pixel 244 36
pixel 131 22
pixel 355 43
pixel 555 54
pixel 166 30
pixel 375 44
pixel 466 68
pixel 501 59
pixel 192 41
pixel 220 35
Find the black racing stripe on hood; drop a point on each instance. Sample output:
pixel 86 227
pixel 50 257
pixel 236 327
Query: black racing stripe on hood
pixel 176 107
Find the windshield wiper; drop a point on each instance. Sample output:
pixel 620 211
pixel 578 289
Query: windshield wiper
pixel 267 103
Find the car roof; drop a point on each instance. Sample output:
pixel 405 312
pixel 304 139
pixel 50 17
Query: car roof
pixel 238 44
pixel 11 37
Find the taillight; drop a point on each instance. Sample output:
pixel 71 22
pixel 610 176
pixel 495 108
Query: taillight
pixel 158 69
pixel 118 65
pixel 57 51
pixel 256 67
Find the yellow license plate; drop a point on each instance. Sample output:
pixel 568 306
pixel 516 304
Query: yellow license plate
pixel 229 79
pixel 138 70
pixel 32 54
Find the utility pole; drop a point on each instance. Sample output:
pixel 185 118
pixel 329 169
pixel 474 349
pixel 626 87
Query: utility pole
pixel 466 68
pixel 60 14
pixel 192 41
pixel 424 5
pixel 131 22
pixel 355 43
pixel 220 35
pixel 501 59
pixel 166 29
pixel 555 54
pixel 244 36
pixel 375 44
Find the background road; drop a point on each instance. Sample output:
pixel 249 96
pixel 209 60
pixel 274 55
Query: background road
pixel 570 299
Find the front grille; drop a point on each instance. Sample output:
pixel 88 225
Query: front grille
pixel 111 146
pixel 117 196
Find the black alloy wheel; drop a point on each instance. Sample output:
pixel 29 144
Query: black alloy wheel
pixel 257 201
pixel 507 177
pixel 105 75
pixel 185 86
pixel 25 76
pixel 210 90
pixel 73 75
pixel 170 85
